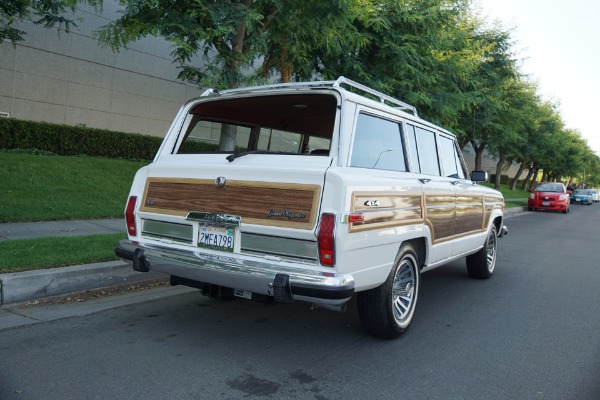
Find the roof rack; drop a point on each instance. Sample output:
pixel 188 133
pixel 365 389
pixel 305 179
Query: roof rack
pixel 383 98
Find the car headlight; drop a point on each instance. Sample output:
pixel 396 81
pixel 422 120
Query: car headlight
pixel 562 197
pixel 532 195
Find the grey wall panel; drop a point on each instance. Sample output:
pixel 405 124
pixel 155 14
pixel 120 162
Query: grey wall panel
pixel 88 49
pixel 38 111
pixel 89 97
pixel 130 82
pixel 40 88
pixel 7 56
pixel 163 110
pixel 166 90
pixel 7 77
pixel 130 104
pixel 41 62
pixel 92 74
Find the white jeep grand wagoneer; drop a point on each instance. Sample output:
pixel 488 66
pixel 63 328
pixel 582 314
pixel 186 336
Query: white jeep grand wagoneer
pixel 312 192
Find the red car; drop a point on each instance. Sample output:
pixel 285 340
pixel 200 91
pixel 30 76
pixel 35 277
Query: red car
pixel 551 196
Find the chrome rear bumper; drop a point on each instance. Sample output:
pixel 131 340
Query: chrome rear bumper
pixel 252 274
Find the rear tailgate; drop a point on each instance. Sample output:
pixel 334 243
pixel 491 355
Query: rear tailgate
pixel 275 198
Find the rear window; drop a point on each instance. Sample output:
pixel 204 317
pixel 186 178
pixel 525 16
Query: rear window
pixel 549 187
pixel 296 124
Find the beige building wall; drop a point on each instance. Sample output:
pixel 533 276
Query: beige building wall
pixel 68 78
pixel 489 164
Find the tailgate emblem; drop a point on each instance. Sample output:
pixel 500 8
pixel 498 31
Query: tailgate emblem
pixel 220 181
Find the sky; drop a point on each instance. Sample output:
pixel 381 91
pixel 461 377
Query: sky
pixel 560 44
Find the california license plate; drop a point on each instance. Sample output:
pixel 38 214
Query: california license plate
pixel 217 237
pixel 546 203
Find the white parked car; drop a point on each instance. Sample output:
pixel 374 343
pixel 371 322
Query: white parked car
pixel 594 194
pixel 312 192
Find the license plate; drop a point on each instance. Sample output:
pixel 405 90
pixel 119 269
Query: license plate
pixel 243 294
pixel 217 237
pixel 545 203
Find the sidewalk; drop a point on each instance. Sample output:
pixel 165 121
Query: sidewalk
pixel 18 287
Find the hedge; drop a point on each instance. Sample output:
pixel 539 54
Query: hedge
pixel 70 140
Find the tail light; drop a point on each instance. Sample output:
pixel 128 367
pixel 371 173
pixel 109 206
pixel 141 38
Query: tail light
pixel 325 240
pixel 130 216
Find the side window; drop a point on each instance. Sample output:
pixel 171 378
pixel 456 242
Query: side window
pixel 377 144
pixel 450 159
pixel 428 156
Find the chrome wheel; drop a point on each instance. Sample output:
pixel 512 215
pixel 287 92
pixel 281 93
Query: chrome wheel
pixel 387 310
pixel 404 290
pixel 491 252
pixel 482 264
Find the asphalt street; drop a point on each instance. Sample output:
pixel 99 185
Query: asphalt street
pixel 529 332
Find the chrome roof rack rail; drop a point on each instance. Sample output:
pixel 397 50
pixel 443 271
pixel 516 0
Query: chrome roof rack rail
pixel 383 98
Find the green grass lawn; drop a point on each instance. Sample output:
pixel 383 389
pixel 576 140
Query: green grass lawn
pixel 46 187
pixel 52 252
pixel 512 198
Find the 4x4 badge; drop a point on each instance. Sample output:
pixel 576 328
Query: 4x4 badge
pixel 372 203
pixel 220 181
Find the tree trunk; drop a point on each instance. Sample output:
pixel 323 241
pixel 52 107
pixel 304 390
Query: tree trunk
pixel 285 68
pixel 499 166
pixel 515 180
pixel 478 153
pixel 534 177
pixel 227 140
pixel 532 170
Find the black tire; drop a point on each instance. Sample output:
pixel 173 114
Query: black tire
pixel 387 311
pixel 481 265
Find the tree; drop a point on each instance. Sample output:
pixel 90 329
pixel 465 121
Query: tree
pixel 417 51
pixel 46 13
pixel 240 41
pixel 304 33
pixel 485 119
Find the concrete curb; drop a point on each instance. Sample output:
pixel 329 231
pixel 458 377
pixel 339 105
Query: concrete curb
pixel 514 210
pixel 17 287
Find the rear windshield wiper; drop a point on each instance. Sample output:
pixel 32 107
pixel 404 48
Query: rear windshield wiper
pixel 233 156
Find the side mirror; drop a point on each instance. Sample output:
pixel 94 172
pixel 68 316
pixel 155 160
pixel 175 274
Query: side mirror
pixel 479 176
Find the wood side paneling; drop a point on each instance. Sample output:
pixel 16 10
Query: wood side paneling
pixel 381 210
pixel 447 216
